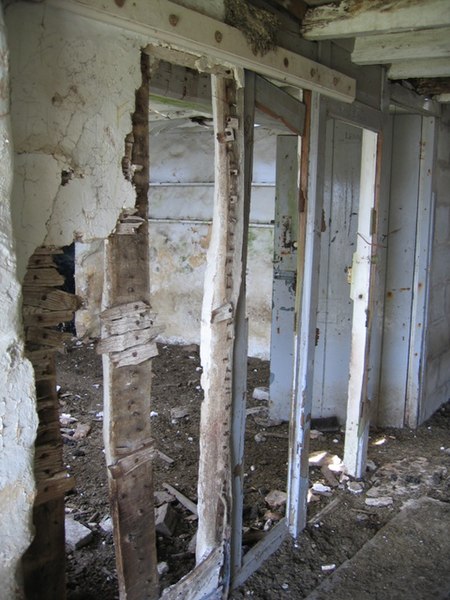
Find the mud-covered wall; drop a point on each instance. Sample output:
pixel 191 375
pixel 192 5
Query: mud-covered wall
pixel 18 419
pixel 72 89
pixel 437 362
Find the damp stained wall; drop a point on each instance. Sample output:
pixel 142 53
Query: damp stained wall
pixel 18 419
pixel 181 204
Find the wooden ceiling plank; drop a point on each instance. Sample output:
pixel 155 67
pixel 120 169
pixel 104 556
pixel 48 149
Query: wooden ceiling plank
pixel 353 18
pixel 437 67
pixel 417 45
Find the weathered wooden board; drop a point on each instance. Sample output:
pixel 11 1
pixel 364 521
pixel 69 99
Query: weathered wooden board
pixel 44 562
pixel 51 299
pixel 132 511
pixel 37 317
pixel 44 307
pixel 53 488
pixel 128 442
pixel 47 276
pixel 393 47
pixel 306 306
pixel 46 337
pixel 352 18
pixel 201 582
pixel 38 261
pixel 358 408
pixel 240 351
pixel 124 341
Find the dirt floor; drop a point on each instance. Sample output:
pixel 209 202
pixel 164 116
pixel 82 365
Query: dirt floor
pixel 403 464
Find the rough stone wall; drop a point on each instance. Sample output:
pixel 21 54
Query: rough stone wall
pixel 18 419
pixel 438 332
pixel 72 87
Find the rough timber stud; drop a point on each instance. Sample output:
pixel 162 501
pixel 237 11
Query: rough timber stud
pixel 223 281
pixel 307 292
pixel 358 408
pixel 127 372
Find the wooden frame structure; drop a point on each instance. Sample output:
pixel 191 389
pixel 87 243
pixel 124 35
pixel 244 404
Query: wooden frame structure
pixel 128 324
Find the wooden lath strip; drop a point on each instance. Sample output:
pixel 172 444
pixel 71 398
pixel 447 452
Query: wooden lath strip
pixel 44 307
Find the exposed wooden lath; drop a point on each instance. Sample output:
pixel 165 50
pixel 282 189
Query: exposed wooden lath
pixel 44 307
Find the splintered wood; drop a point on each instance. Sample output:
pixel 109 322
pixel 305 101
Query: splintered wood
pixel 127 345
pixel 44 307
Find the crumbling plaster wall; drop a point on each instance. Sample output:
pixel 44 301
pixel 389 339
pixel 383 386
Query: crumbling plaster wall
pixel 437 370
pixel 72 89
pixel 18 419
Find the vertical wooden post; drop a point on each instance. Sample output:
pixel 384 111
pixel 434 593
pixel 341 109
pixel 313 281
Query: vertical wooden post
pixel 312 155
pixel 223 280
pixel 128 345
pixel 241 339
pixel 358 410
pixel 44 307
pixel 415 384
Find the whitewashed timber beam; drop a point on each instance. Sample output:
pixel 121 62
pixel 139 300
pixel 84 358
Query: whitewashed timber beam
pixel 174 25
pixel 425 67
pixel 358 404
pixel 275 108
pixel 393 47
pixel 352 18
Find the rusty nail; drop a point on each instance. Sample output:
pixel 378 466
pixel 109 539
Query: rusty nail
pixel 173 20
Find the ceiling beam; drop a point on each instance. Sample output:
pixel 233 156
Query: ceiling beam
pixel 174 25
pixel 390 48
pixel 178 87
pixel 411 102
pixel 437 67
pixel 352 18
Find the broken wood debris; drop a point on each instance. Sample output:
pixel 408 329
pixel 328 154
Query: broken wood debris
pixel 182 499
pixel 325 510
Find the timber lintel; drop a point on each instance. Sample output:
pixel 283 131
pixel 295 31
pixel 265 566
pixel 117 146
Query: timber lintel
pixel 212 40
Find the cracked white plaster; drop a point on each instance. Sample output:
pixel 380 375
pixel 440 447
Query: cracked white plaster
pixel 73 85
pixel 18 418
